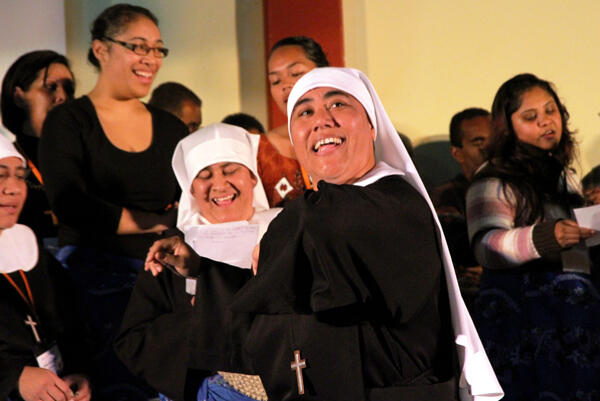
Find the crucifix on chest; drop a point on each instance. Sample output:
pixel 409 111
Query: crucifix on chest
pixel 32 323
pixel 297 365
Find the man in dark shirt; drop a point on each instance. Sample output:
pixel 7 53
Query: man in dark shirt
pixel 469 133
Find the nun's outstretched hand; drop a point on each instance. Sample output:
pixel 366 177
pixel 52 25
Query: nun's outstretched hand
pixel 174 254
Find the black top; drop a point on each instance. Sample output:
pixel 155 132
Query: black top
pixel 57 321
pixel 36 212
pixel 351 277
pixel 89 180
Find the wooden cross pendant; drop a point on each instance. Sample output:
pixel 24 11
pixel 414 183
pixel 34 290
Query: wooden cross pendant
pixel 32 323
pixel 297 365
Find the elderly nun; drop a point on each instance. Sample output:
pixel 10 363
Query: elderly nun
pixel 223 212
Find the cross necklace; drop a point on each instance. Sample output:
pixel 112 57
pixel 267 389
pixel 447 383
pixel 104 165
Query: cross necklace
pixel 297 365
pixel 28 300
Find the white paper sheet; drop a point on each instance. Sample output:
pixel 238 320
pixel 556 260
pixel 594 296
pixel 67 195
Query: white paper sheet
pixel 231 243
pixel 589 217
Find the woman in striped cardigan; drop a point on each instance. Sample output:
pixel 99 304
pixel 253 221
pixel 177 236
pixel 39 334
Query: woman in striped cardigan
pixel 538 306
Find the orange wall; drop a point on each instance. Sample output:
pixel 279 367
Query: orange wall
pixel 321 20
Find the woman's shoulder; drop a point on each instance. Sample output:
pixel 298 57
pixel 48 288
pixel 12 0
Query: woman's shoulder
pixel 276 141
pixel 81 105
pixel 78 111
pixel 390 195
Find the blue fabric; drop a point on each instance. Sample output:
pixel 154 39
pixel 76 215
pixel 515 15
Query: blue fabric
pixel 541 331
pixel 215 388
pixel 51 245
pixel 162 397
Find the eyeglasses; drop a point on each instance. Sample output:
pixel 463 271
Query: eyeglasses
pixel 141 49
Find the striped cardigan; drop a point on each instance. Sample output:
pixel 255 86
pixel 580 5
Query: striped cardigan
pixel 496 242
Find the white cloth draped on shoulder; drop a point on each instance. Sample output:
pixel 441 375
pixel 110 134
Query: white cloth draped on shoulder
pixel 219 143
pixel 18 249
pixel 478 381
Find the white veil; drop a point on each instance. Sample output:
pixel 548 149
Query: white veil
pixel 215 143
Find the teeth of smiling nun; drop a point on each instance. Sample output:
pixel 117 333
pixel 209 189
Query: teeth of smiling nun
pixel 223 199
pixel 327 141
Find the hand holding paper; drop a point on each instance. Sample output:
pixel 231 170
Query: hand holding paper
pixel 589 217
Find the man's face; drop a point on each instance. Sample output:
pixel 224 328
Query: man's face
pixel 476 133
pixel 592 196
pixel 191 115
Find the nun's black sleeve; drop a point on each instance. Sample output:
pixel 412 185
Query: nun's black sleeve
pixel 153 334
pixel 161 327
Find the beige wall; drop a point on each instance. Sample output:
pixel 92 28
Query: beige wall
pixel 203 43
pixel 251 51
pixel 429 59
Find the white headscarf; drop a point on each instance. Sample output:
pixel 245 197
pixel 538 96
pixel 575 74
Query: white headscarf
pixel 477 381
pixel 18 245
pixel 216 143
pixel 7 149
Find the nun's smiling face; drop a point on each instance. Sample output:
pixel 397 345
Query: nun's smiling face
pixel 13 191
pixel 332 136
pixel 224 192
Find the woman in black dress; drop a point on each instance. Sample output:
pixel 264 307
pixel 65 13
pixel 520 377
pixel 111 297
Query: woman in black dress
pixel 106 159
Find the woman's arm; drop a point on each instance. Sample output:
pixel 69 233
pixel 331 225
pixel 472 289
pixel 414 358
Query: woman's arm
pixel 136 221
pixel 496 242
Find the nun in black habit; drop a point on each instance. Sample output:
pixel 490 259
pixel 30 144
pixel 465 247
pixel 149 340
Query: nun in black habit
pixel 355 296
pixel 41 338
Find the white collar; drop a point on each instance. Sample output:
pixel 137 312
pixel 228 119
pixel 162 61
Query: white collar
pixel 380 170
pixel 18 249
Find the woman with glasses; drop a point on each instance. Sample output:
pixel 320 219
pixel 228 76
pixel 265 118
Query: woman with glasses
pixel 34 84
pixel 106 160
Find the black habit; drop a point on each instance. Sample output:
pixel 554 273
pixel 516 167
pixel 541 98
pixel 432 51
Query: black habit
pixel 159 326
pixel 57 321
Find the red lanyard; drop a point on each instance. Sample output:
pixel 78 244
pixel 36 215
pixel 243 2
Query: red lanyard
pixel 35 171
pixel 29 299
pixel 306 178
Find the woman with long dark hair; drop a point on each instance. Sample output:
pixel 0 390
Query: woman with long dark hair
pixel 538 306
pixel 33 85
